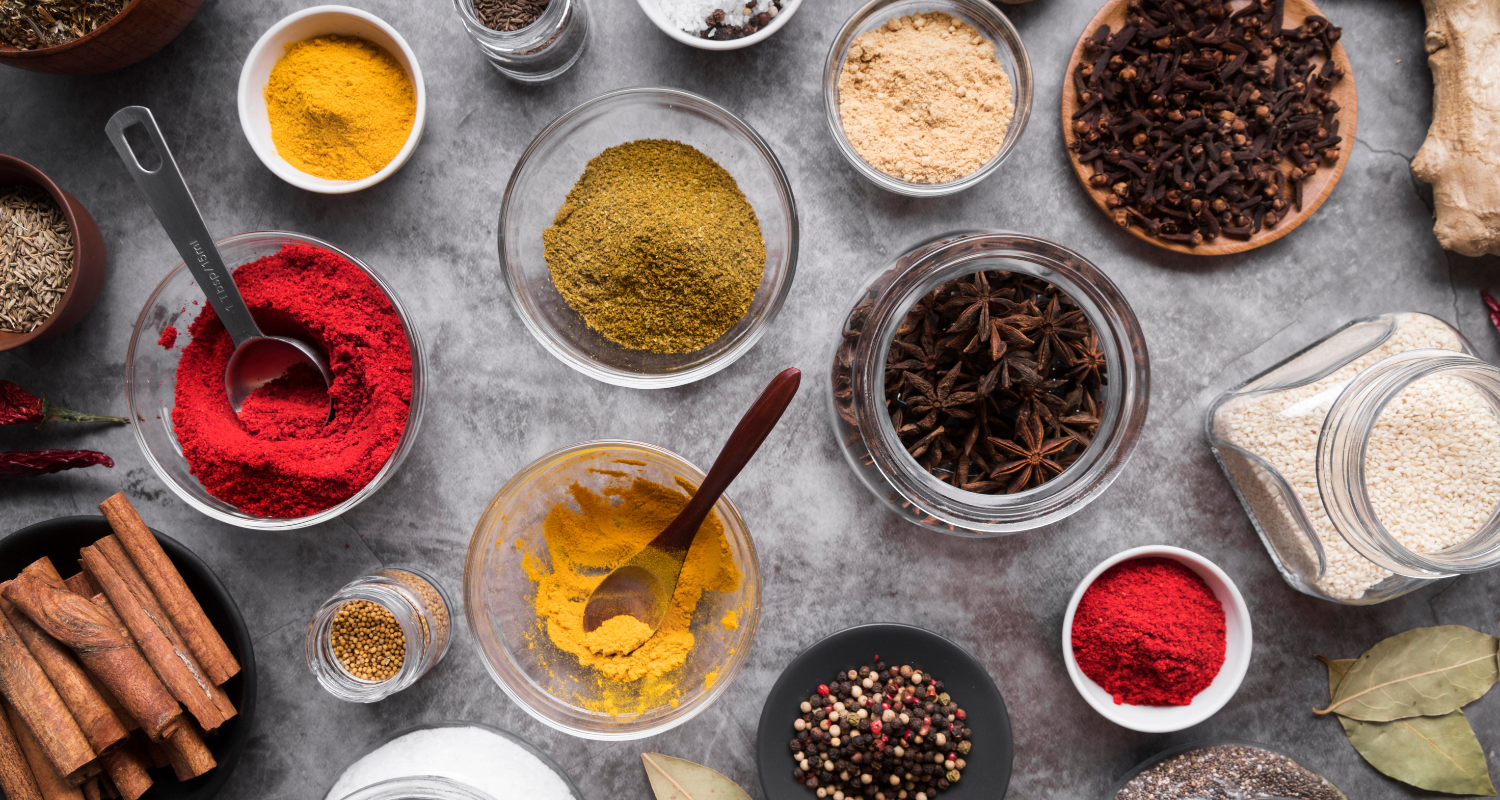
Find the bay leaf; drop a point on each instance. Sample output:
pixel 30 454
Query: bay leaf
pixel 679 779
pixel 1422 672
pixel 1337 668
pixel 1440 754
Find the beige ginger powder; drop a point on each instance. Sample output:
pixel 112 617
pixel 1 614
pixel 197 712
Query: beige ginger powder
pixel 923 99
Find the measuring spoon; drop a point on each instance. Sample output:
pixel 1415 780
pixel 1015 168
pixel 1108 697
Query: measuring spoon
pixel 258 359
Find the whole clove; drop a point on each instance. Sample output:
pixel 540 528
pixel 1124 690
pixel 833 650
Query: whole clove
pixel 1201 120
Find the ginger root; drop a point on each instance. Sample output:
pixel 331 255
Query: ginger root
pixel 1461 157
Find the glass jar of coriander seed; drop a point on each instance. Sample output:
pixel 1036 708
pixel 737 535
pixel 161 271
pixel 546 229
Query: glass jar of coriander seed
pixel 538 52
pixel 1369 462
pixel 1083 395
pixel 379 634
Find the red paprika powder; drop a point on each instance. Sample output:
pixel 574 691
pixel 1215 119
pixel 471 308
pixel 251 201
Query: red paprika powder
pixel 278 457
pixel 1150 632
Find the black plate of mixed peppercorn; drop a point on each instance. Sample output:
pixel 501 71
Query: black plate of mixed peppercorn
pixel 933 724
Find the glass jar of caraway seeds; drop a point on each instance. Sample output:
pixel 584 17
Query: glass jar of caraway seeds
pixel 379 634
pixel 1225 768
pixel 1369 462
pixel 862 418
pixel 539 52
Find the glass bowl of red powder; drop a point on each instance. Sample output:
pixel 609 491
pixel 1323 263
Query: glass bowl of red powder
pixel 281 463
pixel 1157 639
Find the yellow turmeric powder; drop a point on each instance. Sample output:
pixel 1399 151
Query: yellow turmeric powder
pixel 606 530
pixel 341 107
pixel 617 636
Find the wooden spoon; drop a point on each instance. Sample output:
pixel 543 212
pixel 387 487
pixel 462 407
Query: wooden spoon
pixel 643 586
pixel 1317 188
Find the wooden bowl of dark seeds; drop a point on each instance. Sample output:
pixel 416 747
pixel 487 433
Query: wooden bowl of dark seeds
pixel 1220 128
pixel 31 239
pixel 92 36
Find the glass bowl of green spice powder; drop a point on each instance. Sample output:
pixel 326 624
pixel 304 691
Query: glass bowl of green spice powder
pixel 648 237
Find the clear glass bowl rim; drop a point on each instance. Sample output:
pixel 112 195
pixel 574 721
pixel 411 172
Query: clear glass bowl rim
pixel 479 544
pixel 413 416
pixel 1009 37
pixel 525 745
pixel 638 380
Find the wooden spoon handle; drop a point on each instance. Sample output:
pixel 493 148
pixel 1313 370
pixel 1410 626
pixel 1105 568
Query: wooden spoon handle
pixel 747 437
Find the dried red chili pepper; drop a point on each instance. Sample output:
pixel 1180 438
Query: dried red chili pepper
pixel 1494 306
pixel 20 407
pixel 18 463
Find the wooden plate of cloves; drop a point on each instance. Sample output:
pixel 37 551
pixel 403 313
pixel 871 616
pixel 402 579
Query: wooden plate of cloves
pixel 1209 130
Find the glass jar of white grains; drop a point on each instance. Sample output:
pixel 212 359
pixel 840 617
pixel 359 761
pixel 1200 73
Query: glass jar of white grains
pixel 1369 462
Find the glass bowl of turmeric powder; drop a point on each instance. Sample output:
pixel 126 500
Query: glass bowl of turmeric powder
pixel 697 227
pixel 550 535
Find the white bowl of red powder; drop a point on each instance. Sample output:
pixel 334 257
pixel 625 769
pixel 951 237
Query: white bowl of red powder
pixel 280 463
pixel 1157 639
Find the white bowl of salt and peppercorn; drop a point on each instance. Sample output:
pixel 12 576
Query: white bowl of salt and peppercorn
pixel 1157 639
pixel 720 24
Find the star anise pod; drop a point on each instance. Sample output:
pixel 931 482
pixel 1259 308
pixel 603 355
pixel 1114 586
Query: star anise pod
pixel 924 354
pixel 974 301
pixel 1088 362
pixel 941 399
pixel 1031 461
pixel 1038 399
pixel 1056 330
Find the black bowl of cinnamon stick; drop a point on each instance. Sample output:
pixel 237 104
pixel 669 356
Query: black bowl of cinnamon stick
pixel 126 670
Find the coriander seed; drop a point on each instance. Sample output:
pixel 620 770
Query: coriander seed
pixel 368 641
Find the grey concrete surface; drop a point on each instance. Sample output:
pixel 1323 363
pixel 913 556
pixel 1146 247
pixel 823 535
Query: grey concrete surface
pixel 498 400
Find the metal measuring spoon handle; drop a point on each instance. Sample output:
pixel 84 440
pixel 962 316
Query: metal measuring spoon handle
pixel 178 214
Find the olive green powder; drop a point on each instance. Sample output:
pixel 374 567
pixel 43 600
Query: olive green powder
pixel 656 247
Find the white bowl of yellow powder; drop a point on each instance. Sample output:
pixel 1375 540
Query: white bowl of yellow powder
pixel 927 97
pixel 332 100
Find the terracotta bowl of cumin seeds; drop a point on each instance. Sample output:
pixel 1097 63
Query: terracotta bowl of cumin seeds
pixel 139 29
pixel 89 258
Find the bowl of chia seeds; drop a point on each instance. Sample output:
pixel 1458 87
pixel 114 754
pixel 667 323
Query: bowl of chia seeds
pixel 1223 770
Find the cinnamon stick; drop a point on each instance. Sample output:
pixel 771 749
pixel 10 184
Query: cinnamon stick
pixel 109 787
pixel 91 790
pixel 173 662
pixel 188 754
pixel 118 558
pixel 165 581
pixel 16 779
pixel 43 569
pixel 39 706
pixel 98 722
pixel 78 584
pixel 51 784
pixel 103 646
pixel 126 767
pixel 81 584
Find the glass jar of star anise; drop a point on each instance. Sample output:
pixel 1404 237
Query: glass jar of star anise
pixel 988 383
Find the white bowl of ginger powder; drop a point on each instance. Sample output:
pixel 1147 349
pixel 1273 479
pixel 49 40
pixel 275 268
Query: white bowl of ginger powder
pixel 374 128
pixel 927 97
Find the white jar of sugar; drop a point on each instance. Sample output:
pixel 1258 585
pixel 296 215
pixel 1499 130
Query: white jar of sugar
pixel 453 761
